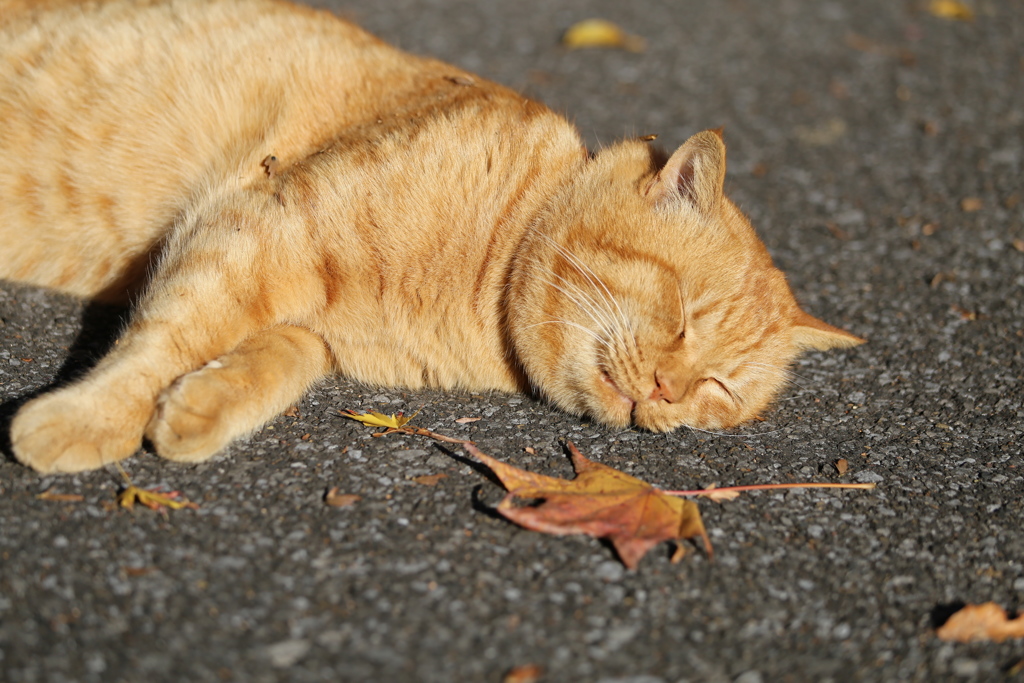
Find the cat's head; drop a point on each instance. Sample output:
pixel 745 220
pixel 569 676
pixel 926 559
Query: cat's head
pixel 644 296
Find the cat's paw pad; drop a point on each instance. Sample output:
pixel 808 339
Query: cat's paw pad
pixel 189 424
pixel 63 432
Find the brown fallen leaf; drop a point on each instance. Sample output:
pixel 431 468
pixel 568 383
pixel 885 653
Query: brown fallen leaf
pixel 601 502
pixel 430 479
pixel 601 33
pixel 340 500
pixel 154 500
pixel 293 411
pixel 51 495
pixel 467 420
pixel 951 9
pixel 976 623
pixel 528 673
pixel 842 465
pixel 530 450
pixel 1018 245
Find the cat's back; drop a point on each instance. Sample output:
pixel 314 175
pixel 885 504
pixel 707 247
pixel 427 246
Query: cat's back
pixel 116 114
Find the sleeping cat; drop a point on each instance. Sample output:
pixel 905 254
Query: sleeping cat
pixel 283 196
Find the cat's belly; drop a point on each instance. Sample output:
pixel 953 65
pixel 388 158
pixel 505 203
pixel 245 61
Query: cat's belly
pixel 417 363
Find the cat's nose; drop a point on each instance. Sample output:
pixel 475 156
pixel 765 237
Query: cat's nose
pixel 663 389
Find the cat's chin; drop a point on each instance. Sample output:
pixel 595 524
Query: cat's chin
pixel 655 416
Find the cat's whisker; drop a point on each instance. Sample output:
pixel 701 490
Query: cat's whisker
pixel 581 298
pixel 732 436
pixel 786 374
pixel 582 328
pixel 591 277
pixel 592 311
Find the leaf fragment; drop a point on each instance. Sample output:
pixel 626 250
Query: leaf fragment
pixel 340 500
pixel 270 164
pixel 527 673
pixel 601 502
pixel 467 420
pixel 842 465
pixel 712 492
pixel 978 623
pixel 154 500
pixel 51 495
pixel 601 33
pixel 430 479
pixel 375 419
pixel 971 204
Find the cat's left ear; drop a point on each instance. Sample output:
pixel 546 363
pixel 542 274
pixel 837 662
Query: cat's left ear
pixel 811 333
pixel 695 173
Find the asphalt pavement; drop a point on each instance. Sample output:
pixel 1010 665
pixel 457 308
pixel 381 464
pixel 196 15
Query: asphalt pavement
pixel 878 149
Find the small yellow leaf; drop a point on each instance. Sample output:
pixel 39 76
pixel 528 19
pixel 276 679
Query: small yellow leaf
pixel 153 499
pixel 951 9
pixel 375 419
pixel 601 33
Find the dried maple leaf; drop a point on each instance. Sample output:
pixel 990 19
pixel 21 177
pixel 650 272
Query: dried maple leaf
pixel 375 419
pixel 975 623
pixel 154 500
pixel 601 502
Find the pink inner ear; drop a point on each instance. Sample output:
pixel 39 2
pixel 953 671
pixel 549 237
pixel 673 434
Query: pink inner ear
pixel 809 332
pixel 694 173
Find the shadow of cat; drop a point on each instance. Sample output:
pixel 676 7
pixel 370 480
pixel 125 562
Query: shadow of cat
pixel 100 325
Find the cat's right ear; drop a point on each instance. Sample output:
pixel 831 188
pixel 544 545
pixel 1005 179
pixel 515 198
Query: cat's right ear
pixel 695 173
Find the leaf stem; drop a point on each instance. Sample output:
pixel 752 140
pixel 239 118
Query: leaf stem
pixel 419 431
pixel 765 487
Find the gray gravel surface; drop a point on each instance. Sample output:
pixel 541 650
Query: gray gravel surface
pixel 855 132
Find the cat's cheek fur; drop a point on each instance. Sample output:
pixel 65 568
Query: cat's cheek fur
pixel 613 407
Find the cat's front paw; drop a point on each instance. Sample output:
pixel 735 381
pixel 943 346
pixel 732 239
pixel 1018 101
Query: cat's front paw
pixel 64 431
pixel 192 420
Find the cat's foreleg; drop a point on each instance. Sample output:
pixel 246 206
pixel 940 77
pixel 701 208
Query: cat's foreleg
pixel 203 411
pixel 221 280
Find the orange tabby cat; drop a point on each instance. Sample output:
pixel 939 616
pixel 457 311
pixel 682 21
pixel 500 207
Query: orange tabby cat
pixel 290 197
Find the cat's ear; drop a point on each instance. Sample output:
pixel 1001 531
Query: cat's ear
pixel 811 333
pixel 695 173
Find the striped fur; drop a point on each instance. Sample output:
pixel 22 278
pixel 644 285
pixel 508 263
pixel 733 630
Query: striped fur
pixel 417 226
